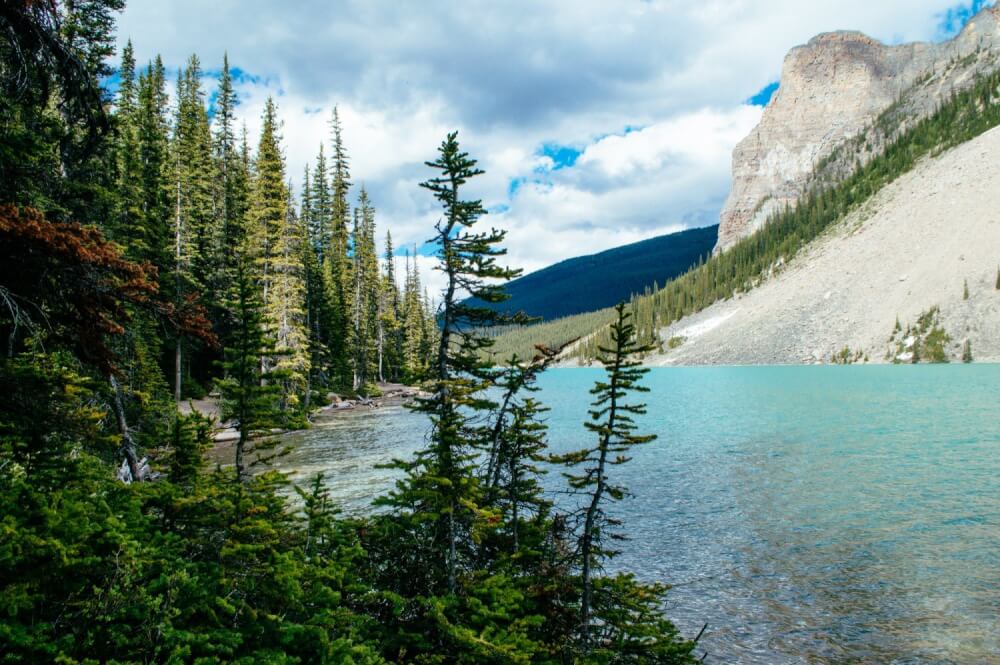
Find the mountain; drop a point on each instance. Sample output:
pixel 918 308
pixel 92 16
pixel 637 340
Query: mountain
pixel 832 93
pixel 586 283
pixel 923 251
pixel 851 234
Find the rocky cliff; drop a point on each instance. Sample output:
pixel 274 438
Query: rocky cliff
pixel 841 98
pixel 928 243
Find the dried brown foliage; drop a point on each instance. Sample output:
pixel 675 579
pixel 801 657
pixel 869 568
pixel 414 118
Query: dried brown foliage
pixel 74 285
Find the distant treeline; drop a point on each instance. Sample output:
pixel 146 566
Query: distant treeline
pixel 602 280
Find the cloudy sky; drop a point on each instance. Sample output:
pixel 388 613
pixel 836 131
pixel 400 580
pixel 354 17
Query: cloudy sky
pixel 598 123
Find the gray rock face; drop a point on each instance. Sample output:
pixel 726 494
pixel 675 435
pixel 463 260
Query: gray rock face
pixel 833 90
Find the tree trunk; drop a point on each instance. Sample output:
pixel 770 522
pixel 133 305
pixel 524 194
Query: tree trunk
pixel 452 564
pixel 128 444
pixel 177 371
pixel 240 445
pixel 592 510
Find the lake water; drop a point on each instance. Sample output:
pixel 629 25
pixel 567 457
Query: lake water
pixel 806 514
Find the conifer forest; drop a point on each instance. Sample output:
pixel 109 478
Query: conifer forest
pixel 152 252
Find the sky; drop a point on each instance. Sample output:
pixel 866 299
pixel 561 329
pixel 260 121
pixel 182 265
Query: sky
pixel 597 123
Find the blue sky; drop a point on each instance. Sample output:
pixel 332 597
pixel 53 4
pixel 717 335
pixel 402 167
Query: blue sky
pixel 598 125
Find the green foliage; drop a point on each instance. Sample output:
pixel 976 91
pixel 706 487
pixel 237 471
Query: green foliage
pixel 557 334
pixel 250 394
pixel 925 340
pixel 847 357
pixel 965 290
pixel 470 564
pixel 967 351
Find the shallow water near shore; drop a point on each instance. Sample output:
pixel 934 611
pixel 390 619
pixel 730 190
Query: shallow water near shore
pixel 806 514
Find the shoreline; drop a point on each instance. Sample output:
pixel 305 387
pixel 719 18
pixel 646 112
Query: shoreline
pixel 224 434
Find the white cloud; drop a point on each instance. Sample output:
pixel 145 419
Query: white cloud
pixel 513 77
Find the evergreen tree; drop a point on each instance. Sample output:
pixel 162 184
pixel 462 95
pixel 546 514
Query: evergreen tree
pixel 441 493
pixel 152 126
pixel 365 295
pixel 390 339
pixel 247 395
pixel 192 181
pixel 337 264
pixel 612 423
pixel 128 226
pixel 286 309
pixel 277 242
pixel 414 365
pixel 320 224
pixel 231 192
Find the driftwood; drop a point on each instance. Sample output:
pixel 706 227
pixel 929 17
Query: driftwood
pixel 132 468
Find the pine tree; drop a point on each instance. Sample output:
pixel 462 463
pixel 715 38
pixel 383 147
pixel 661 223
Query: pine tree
pixel 321 204
pixel 965 290
pixel 247 395
pixel 517 446
pixel 365 294
pixel 441 492
pixel 967 351
pixel 412 322
pixel 231 192
pixel 337 262
pixel 192 180
pixel 286 309
pixel 128 226
pixel 152 127
pixel 390 343
pixel 612 423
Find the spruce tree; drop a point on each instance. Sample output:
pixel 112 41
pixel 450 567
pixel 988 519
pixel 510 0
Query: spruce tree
pixel 231 191
pixel 337 261
pixel 128 226
pixel 365 294
pixel 191 184
pixel 390 347
pixel 320 201
pixel 152 127
pixel 248 396
pixel 414 362
pixel 613 425
pixel 441 493
pixel 286 310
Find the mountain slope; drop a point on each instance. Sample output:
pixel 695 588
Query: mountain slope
pixel 833 91
pixel 588 283
pixel 911 248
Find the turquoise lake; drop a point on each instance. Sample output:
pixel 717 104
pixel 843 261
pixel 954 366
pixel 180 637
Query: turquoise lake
pixel 806 514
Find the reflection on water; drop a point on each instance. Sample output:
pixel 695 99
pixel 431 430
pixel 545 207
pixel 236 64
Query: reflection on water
pixel 807 514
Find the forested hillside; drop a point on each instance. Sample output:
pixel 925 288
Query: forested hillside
pixel 963 116
pixel 597 281
pixel 151 251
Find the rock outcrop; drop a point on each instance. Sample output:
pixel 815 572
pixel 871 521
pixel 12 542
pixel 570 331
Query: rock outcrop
pixel 927 242
pixel 832 93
